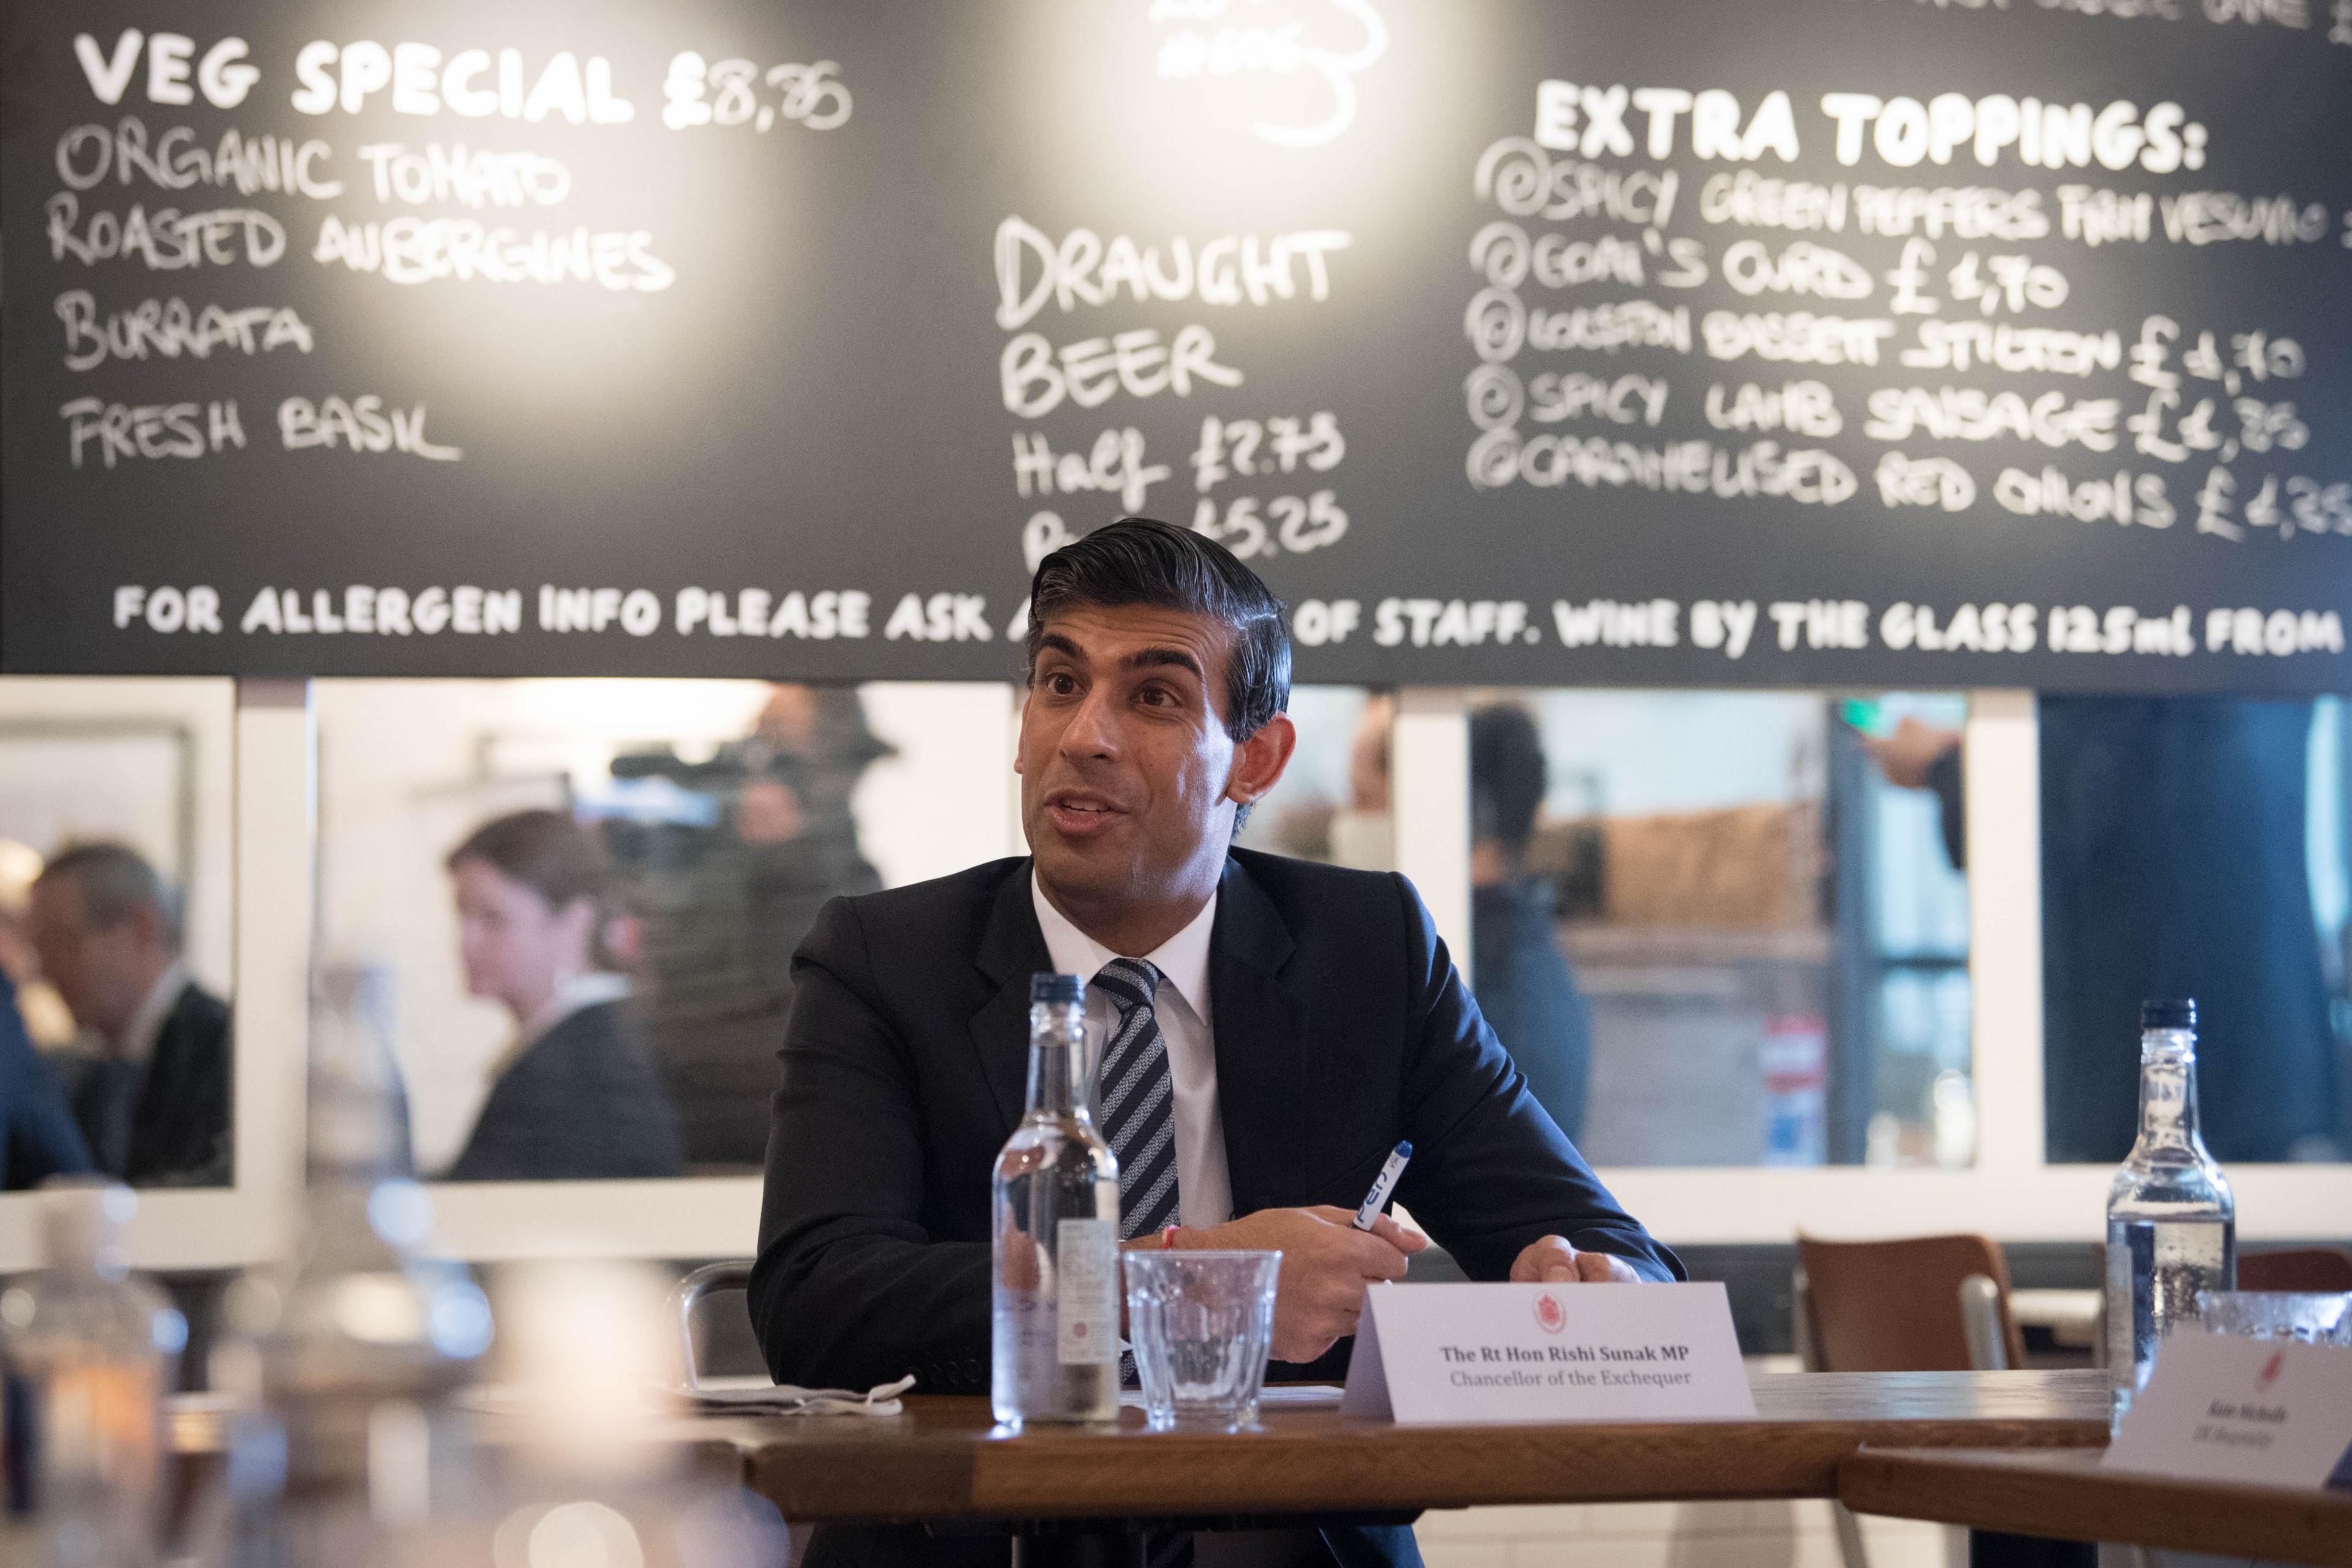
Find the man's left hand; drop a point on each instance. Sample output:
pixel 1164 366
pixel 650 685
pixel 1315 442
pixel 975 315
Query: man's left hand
pixel 1552 1261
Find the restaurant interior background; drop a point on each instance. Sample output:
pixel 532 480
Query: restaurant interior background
pixel 1805 980
pixel 1783 970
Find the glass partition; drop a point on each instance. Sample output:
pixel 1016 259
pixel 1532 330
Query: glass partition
pixel 115 943
pixel 610 877
pixel 1332 804
pixel 1725 928
pixel 2195 847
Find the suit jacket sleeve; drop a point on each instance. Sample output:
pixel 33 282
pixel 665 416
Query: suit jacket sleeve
pixel 849 1289
pixel 1491 1171
pixel 38 1136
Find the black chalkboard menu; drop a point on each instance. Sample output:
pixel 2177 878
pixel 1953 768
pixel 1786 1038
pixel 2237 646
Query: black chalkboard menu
pixel 1706 342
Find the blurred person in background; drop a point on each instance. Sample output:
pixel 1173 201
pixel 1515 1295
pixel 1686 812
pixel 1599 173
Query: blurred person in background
pixel 574 1096
pixel 725 903
pixel 152 1091
pixel 1364 833
pixel 38 1136
pixel 2174 863
pixel 45 1015
pixel 1523 982
pixel 799 838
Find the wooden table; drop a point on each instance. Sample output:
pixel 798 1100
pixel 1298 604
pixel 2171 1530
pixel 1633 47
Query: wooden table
pixel 2067 1495
pixel 941 1461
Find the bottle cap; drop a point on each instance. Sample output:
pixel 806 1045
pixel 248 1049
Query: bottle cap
pixel 2180 1014
pixel 1047 986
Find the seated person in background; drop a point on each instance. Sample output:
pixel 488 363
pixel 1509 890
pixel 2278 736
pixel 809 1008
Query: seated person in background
pixel 38 1136
pixel 45 1015
pixel 575 1096
pixel 1525 987
pixel 153 1101
pixel 1297 1019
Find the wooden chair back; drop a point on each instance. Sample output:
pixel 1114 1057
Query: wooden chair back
pixel 1895 1306
pixel 2319 1268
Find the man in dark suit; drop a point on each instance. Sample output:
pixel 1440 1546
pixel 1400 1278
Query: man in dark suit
pixel 1301 1018
pixel 153 1099
pixel 38 1136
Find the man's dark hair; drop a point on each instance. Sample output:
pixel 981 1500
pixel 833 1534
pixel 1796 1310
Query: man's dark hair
pixel 1142 561
pixel 114 879
pixel 1506 775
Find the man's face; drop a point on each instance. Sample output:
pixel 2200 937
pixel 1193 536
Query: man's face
pixel 101 974
pixel 1124 758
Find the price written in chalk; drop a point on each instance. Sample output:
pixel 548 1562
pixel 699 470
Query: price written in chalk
pixel 738 92
pixel 1291 524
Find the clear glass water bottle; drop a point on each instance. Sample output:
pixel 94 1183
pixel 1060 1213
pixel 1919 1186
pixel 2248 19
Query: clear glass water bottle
pixel 354 1353
pixel 1053 1312
pixel 2172 1224
pixel 89 1350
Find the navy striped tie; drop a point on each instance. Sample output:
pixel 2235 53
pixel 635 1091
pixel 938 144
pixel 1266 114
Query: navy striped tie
pixel 1136 1100
pixel 1135 1111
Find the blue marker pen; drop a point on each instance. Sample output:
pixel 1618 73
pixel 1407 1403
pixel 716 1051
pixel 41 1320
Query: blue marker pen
pixel 1383 1185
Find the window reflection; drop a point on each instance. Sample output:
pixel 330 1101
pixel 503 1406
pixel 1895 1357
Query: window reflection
pixel 1721 936
pixel 632 978
pixel 727 858
pixel 1332 804
pixel 115 1049
pixel 2193 846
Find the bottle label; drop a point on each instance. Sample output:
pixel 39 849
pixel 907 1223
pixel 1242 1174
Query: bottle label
pixel 1086 1257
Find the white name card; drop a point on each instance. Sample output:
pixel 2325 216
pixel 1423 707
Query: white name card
pixel 1470 1353
pixel 2272 1411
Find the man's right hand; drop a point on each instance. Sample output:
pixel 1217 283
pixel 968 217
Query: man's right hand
pixel 1326 1264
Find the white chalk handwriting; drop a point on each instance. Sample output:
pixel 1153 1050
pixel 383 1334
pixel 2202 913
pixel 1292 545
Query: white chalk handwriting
pixel 1036 378
pixel 414 250
pixel 475 177
pixel 1081 269
pixel 1251 447
pixel 1285 49
pixel 175 161
pixel 170 328
pixel 167 240
pixel 729 92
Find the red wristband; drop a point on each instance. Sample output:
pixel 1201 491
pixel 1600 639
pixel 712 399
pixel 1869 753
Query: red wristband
pixel 1168 1238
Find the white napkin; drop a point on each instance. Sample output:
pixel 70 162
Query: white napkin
pixel 757 1394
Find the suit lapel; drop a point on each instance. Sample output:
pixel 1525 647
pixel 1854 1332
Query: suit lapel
pixel 1261 1048
pixel 1011 949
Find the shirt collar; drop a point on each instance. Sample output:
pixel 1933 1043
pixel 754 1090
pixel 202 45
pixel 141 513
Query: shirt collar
pixel 1182 960
pixel 139 1037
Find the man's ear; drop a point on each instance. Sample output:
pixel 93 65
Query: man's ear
pixel 1258 761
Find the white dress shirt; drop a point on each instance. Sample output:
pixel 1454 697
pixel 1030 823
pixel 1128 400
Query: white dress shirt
pixel 1204 1188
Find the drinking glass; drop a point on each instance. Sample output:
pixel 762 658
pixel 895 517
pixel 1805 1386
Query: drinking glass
pixel 1200 1323
pixel 2314 1317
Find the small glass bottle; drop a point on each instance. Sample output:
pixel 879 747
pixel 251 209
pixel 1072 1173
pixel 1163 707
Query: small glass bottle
pixel 357 1349
pixel 1053 1311
pixel 2172 1226
pixel 89 1351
